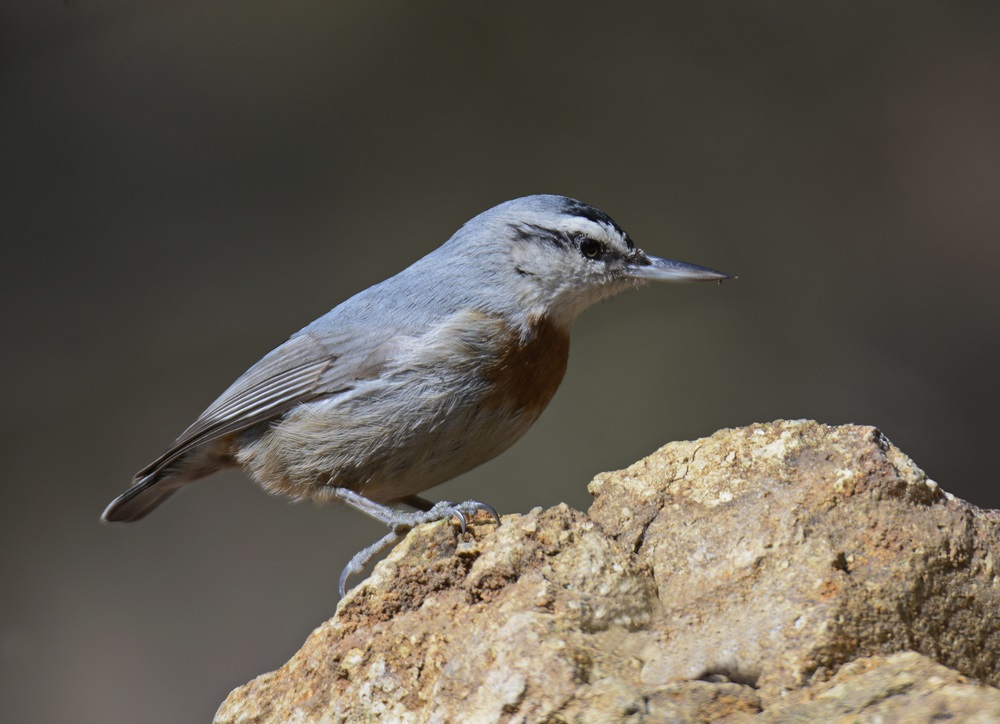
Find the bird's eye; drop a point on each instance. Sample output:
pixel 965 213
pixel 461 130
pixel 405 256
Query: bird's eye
pixel 590 248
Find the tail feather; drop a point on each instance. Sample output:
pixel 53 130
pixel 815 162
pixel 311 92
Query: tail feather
pixel 139 500
pixel 165 476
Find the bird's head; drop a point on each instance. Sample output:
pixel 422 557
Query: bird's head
pixel 555 256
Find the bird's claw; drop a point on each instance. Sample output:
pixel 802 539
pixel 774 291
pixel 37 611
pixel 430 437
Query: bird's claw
pixel 471 507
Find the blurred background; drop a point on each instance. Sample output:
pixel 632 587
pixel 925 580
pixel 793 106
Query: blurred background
pixel 184 184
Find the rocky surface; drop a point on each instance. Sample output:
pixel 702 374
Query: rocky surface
pixel 903 687
pixel 772 573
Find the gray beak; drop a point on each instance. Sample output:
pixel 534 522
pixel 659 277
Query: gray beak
pixel 668 270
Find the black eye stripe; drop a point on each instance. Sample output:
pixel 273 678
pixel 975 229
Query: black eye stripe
pixel 532 233
pixel 588 246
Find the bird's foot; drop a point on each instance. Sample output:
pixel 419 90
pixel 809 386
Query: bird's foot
pixel 428 512
pixel 400 522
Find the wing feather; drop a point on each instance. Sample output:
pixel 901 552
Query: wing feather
pixel 288 376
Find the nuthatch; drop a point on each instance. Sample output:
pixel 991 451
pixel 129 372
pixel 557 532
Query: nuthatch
pixel 417 379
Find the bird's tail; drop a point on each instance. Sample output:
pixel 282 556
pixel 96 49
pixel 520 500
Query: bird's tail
pixel 165 476
pixel 138 501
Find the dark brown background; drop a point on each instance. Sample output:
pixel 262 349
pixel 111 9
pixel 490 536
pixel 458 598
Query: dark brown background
pixel 186 183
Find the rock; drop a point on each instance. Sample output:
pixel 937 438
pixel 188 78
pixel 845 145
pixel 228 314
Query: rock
pixel 904 687
pixel 783 551
pixel 731 578
pixel 515 622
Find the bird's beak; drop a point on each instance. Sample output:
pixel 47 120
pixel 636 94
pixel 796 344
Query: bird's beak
pixel 668 270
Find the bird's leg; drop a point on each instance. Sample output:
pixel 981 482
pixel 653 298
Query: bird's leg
pixel 417 503
pixel 363 557
pixel 399 522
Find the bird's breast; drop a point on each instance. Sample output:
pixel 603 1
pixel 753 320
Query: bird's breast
pixel 528 366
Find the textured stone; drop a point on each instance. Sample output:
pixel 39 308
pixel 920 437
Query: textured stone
pixel 904 687
pixel 727 578
pixel 517 621
pixel 782 551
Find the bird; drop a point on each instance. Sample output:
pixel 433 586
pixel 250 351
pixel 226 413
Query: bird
pixel 419 378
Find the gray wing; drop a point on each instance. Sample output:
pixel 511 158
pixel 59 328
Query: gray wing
pixel 350 344
pixel 300 370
